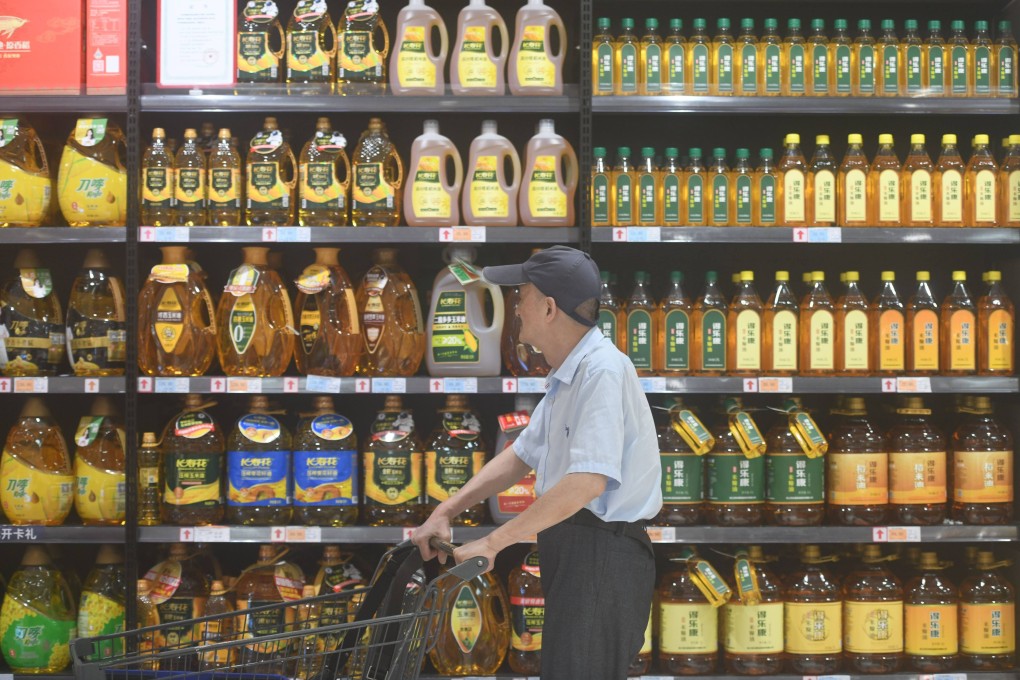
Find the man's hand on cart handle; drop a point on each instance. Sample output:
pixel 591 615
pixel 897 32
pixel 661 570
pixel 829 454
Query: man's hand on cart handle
pixel 436 526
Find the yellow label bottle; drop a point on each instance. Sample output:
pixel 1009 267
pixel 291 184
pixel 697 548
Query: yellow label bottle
pixel 958 329
pixel 817 329
pixel 996 321
pixel 546 198
pixel 980 184
pixel 863 61
pixel 92 181
pixel 884 185
pixel 625 60
pixel 270 179
pixel 417 64
pixel 852 334
pixel 311 44
pixel 35 469
pixel 650 59
pixel 157 183
pixel 988 616
pixel 780 335
pixel 100 495
pixel 257 60
pixel 744 329
pixel 852 204
pixel 721 75
pixel 916 186
pixel 431 198
pixel 888 329
pixel 1009 185
pixel 821 185
pixel 792 190
pixel 322 196
pixel 948 185
pixel 873 615
pixel 190 188
pixel 474 632
pixel 360 60
pixel 488 198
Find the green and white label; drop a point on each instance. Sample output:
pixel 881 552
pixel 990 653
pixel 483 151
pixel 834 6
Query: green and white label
pixel 982 70
pixel 695 199
pixel 682 478
pixel 713 341
pixel 958 63
pixel 1007 71
pixel 773 69
pixel 796 67
pixel 699 79
pixel 628 68
pixel 720 200
pixel 936 70
pixel 639 338
pixel 671 199
pixel 607 324
pixel 452 339
pixel 734 478
pixel 743 201
pixel 794 478
pixel 678 328
pixel 748 69
pixel 604 64
pixel 646 197
pixel 866 69
pixel 653 69
pixel 891 69
pixel 767 198
pixel 624 199
pixel 242 321
pixel 724 68
pixel 676 68
pixel 914 80
pixel 820 69
pixel 844 77
pixel 600 200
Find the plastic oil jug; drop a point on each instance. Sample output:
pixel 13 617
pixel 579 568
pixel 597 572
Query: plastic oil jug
pixel 311 43
pixel 987 616
pixel 391 320
pixel 329 329
pixel 218 630
pixel 527 614
pixel 176 319
pixel 338 573
pixel 97 319
pixel 35 469
pixel 38 617
pixel 550 179
pixel 982 466
pixel 416 67
pixel 101 610
pixel 254 325
pixel 813 614
pixel 431 200
pixel 689 633
pixel 179 590
pixel 158 183
pixel 735 469
pixel 795 469
pixel 325 464
pixel 683 466
pixel 534 68
pixel 100 486
pixel 257 60
pixel 873 615
pixel 917 466
pixel 270 580
pixel 453 456
pixel 378 179
pixel 753 637
pixel 858 468
pixel 474 632
pixel 92 181
pixel 270 179
pixel 930 617
pixel 25 186
pixel 488 198
pixel 259 482
pixel 461 340
pixel 31 320
pixel 476 68
pixel 514 500
pixel 321 193
pixel 394 474
pixel 360 62
pixel 193 462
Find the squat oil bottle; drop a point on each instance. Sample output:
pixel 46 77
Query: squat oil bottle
pixel 813 613
pixel 753 623
pixel 393 458
pixel 987 617
pixel 873 615
pixel 688 621
pixel 736 470
pixel 858 468
pixel 795 469
pixel 982 466
pixel 930 617
pixel 917 466
pixel 683 467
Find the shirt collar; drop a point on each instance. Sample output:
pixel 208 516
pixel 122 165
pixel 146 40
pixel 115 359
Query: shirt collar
pixel 568 369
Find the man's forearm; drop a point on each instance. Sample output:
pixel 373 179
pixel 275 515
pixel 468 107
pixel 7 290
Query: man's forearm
pixel 497 475
pixel 572 493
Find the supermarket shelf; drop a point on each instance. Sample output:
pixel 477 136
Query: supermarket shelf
pixel 241 534
pixel 62 385
pixel 28 102
pixel 373 235
pixel 61 534
pixel 40 235
pixel 805 105
pixel 971 675
pixel 283 98
pixel 872 235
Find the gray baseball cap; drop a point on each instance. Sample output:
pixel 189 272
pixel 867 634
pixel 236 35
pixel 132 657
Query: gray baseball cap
pixel 567 275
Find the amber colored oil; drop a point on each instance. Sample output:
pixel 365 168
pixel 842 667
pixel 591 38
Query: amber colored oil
pixel 193 440
pixel 884 185
pixel 996 325
pixel 454 454
pixel 726 461
pixel 394 473
pixel 788 503
pixel 947 182
pixel 958 329
pixel 916 193
pixel 683 479
pixel 917 466
pixel 821 185
pixel 779 329
pixel 858 468
pixel 853 355
pixel 982 444
pixel 680 651
pixel 329 326
pixel 887 322
pixel 792 195
pixel 987 596
pixel 872 592
pixel 708 351
pixel 483 621
pixel 527 613
pixel 766 629
pixel 923 352
pixel 817 330
pixel 980 186
pixel 672 326
pixel 852 200
pixel 931 617
pixel 744 329
pixel 813 596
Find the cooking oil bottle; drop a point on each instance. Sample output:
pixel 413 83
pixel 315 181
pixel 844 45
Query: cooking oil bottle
pixel 813 614
pixel 675 74
pixel 719 190
pixel 689 633
pixel 92 181
pixel 744 329
pixel 101 609
pixel 625 60
pixel 792 190
pixel 821 185
pixel 96 319
pixel 455 454
pixel 649 190
pixel 853 209
pixel 311 44
pixel 150 480
pixel 916 182
pixel 753 639
pixel 391 321
pixel 960 60
pixel 147 617
pixel 271 580
pixel 322 194
pixel 1009 185
pixel 873 615
pixel 710 334
pixel 699 52
pixel 746 62
pixel 378 178
pixel 546 198
pixel 858 469
pixel 190 171
pixel 259 480
pixel 527 614
pixel 639 332
pixel 176 320
pixel 683 466
pixel 338 572
pixel 841 60
pixel 475 67
pixel 982 466
pixel 270 179
pixel 721 68
pixel 533 67
pixel 863 61
pixel 218 630
pixel 795 469
pixel 779 329
pixel 770 51
pixel 224 182
pixel 934 62
pixel 488 199
pixel 817 323
pixel 817 81
pixel 853 351
pixel 888 329
pixel 889 55
pixel 930 617
pixel 911 63
pixel 765 191
pixel 610 311
pixel 518 497
pixel 179 590
pixel 884 185
pixel 35 469
pixel 948 184
pixel 694 190
pixel 360 61
pixel 255 327
pixel 100 485
pixel 329 328
pixel 958 329
pixel 996 320
pixel 431 196
pixel 982 62
pixel 923 351
pixel 475 630
pixel 32 320
pixel 158 183
pixel 1006 60
pixel 600 183
pixel 257 60
pixel 603 67
pixel 325 468
pixel 650 59
pixel 37 620
pixel 794 61
pixel 736 469
pixel 394 474
pixel 672 326
pixel 987 617
pixel 917 466
pixel 742 189
pixel 193 465
pixel 980 186
pixel 25 173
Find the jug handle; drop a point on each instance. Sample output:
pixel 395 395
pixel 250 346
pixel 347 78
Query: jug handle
pixel 571 166
pixel 347 170
pixel 400 168
pixel 497 305
pixel 444 41
pixel 386 39
pixel 283 41
pixel 504 39
pixel 353 318
pixel 292 182
pixel 515 160
pixel 336 42
pixel 38 146
pixel 458 172
pixel 210 309
pixel 558 23
pixel 118 297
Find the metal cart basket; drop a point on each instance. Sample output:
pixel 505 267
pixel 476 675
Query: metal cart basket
pixel 380 632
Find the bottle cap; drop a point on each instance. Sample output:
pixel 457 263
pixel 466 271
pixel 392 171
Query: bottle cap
pixel 924 276
pixel 818 24
pixel 854 138
pixel 719 153
pixel 917 139
pixel 743 154
pixel 603 23
pixel 490 127
pixel 149 440
pixel 711 277
pixel 158 133
pixel 817 276
pixel 980 25
pixel 842 277
pixel 143 587
pixel 792 138
pixel 934 25
pixel 806 277
pixel 747 275
pixel 676 24
pixel 599 151
pixel 793 24
pixel 694 152
pixel 647 152
pixel 604 275
pixel 394 402
pixel 957 25
pixel 34 408
pixel 676 277
pixel 980 139
pixel 699 24
pixel 190 134
pixel 885 139
pixel 888 24
pixel 1005 27
pixel 864 24
pixel 949 139
pixel 853 276
pixel 651 23
pixel 782 275
pixel 95 258
pixel 640 277
pixel 765 154
pixel 723 24
pixel 822 139
pixel 840 24
pixel 771 24
pixel 747 24
pixel 995 276
pixel 627 23
pixel 888 276
pixel 109 554
pixel 671 152
pixel 35 556
pixel 959 275
pixel 735 278
pixel 623 152
pixel 910 24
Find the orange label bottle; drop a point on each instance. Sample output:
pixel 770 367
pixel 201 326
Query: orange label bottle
pixel 995 329
pixel 958 321
pixel 888 329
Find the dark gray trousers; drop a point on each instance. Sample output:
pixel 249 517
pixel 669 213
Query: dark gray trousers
pixel 598 579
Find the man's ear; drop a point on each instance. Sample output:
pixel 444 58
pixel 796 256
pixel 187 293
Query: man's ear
pixel 550 308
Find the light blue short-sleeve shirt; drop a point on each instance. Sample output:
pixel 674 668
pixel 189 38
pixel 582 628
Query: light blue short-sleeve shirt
pixel 595 418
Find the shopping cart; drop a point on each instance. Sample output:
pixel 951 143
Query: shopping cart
pixel 380 632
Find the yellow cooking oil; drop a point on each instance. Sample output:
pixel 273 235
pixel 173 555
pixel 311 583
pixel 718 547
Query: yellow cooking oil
pixel 694 189
pixel 223 184
pixel 1009 185
pixel 25 186
pixel 983 66
pixel 889 62
pixel 699 50
pixel 916 195
pixel 329 328
pixel 625 60
pixel 602 67
pixel 649 190
pixel 779 329
pixel 101 609
pixel 792 196
pixel 621 189
pixel 770 59
pixel 721 75
pixel 360 59
pixel 980 186
pixel 650 59
pixel 311 44
pixel 841 60
pixel 821 185
pixel 947 181
pixel 474 631
pixel 32 320
pixel 36 478
pixel 744 326
pixel 158 182
pixel 92 180
pixel 270 171
pixel 765 191
pixel 322 195
pixel 746 64
pixel 935 62
pixel 190 170
pixel 793 61
pixel 391 320
pixel 600 177
pixel 742 190
pixel 720 214
pixel 817 329
pixel 100 494
pixel 377 179
pixel 96 325
pixel 817 82
pixel 911 61
pixel 671 182
pixel 258 59
pixel 675 80
pixel 852 335
pixel 961 61
pixel 863 63
pixel 259 478
pixel 884 185
pixel 958 329
pixel 922 319
pixel 1005 60
pixel 888 329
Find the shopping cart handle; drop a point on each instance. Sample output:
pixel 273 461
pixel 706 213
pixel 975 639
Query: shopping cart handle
pixel 466 570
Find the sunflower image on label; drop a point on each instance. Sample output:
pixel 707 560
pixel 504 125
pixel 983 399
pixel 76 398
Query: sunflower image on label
pixel 488 199
pixel 393 474
pixel 873 627
pixel 545 197
pixel 100 616
pixel 475 67
pixel 466 619
pixel 320 188
pixel 169 320
pixel 452 339
pixel 813 627
pixel 242 321
pixel 428 196
pixel 448 469
pixel 327 478
pixel 254 58
pixel 33 496
pixel 534 68
pixel 371 190
pixel 356 53
pixel 157 187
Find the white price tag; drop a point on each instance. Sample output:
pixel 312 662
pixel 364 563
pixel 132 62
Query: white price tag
pixel 904 534
pixel 879 534
pixel 212 534
pixel 437 385
pixel 889 384
pixel 321 383
pixel 824 235
pixel 531 385
pixel 461 385
pixel 652 385
pixel 775 385
pixel 644 234
pixel 269 235
pixel 244 385
pixel 291 385
pixel 362 386
pixel 750 384
pixel 944 676
pixel 91 385
pixel 509 385
pixel 168 234
pixel 662 534
pixel 304 534
pixel 914 385
pixel 173 385
pixel 278 534
pixel 407 533
pixel 832 677
pixel 293 234
pixel 389 385
pixel 462 235
pixel 218 385
pixel 31 385
pixel 187 535
pixel 5 385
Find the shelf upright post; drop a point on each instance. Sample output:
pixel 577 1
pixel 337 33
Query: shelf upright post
pixel 584 139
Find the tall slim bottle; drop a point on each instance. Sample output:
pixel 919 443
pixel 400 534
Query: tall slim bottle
pixel 821 185
pixel 987 617
pixel 622 189
pixel 158 183
pixel 190 188
pixel 916 185
pixel 649 190
pixel 602 63
pixel 982 62
pixel 794 61
pixel 996 324
pixel 610 311
pixel 721 76
pixel 887 324
pixel 911 61
pixel 960 60
pixel 639 326
pixel 1009 185
pixel 694 190
pixel 671 185
pixel 650 59
pixel 817 329
pixel 699 49
pixel 1006 61
pixel 601 177
pixel 863 64
pixel 853 356
pixel 841 60
pixel 792 189
pixel 935 62
pixel 958 329
pixel 625 60
pixel 709 320
pixel 673 330
pixel 720 214
pixel 765 191
pixel 884 185
pixel 818 62
pixel 770 60
pixel 779 329
pixel 746 62
pixel 889 61
pixel 947 181
pixel 742 190
pixel 744 329
pixel 224 182
pixel 980 186
pixel 922 318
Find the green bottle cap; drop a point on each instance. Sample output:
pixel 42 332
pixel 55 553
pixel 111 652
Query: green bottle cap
pixel 676 24
pixel 676 277
pixel 772 24
pixel 864 25
pixel 694 153
pixel 627 23
pixel 888 25
pixel 640 277
pixel 1005 26
pixel 743 154
pixel 699 24
pixel 723 24
pixel 651 24
pixel 840 24
pixel 604 275
pixel 980 25
pixel 910 24
pixel 603 23
pixel 818 24
pixel 599 151
pixel 765 154
pixel 934 25
pixel 647 152
pixel 623 151
pixel 957 25
pixel 711 277
pixel 793 24
pixel 672 152
pixel 718 152
pixel 747 24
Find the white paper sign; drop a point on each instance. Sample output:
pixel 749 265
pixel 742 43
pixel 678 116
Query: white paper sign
pixel 196 43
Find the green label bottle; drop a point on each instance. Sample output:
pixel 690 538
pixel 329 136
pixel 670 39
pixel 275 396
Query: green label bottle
pixel 628 68
pixel 671 199
pixel 639 338
pixel 675 69
pixel 958 62
pixel 713 351
pixel 699 78
pixel 797 77
pixel 743 201
pixel 913 66
pixel 600 200
pixel 720 200
pixel 982 70
pixel 678 328
pixel 773 69
pixel 695 199
pixel 866 67
pixel 891 69
pixel 844 81
pixel 820 69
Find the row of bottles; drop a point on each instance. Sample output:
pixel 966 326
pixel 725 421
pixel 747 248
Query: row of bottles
pixel 821 65
pixel 821 192
pixel 861 473
pixel 261 473
pixel 325 188
pixel 819 336
pixel 91 183
pixel 353 55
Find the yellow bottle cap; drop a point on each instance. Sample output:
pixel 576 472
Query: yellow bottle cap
pixel 1013 139
pixel 984 277
pixel 917 139
pixel 980 139
pixel 888 276
pixel 1005 142
pixel 822 139
pixel 854 139
pixel 792 138
pixel 923 276
pixel 842 277
pixel 735 277
pixel 853 276
pixel 885 139
pixel 782 276
pixel 747 275
pixel 817 276
pixel 806 277
pixel 995 276
pixel 949 139
pixel 959 275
